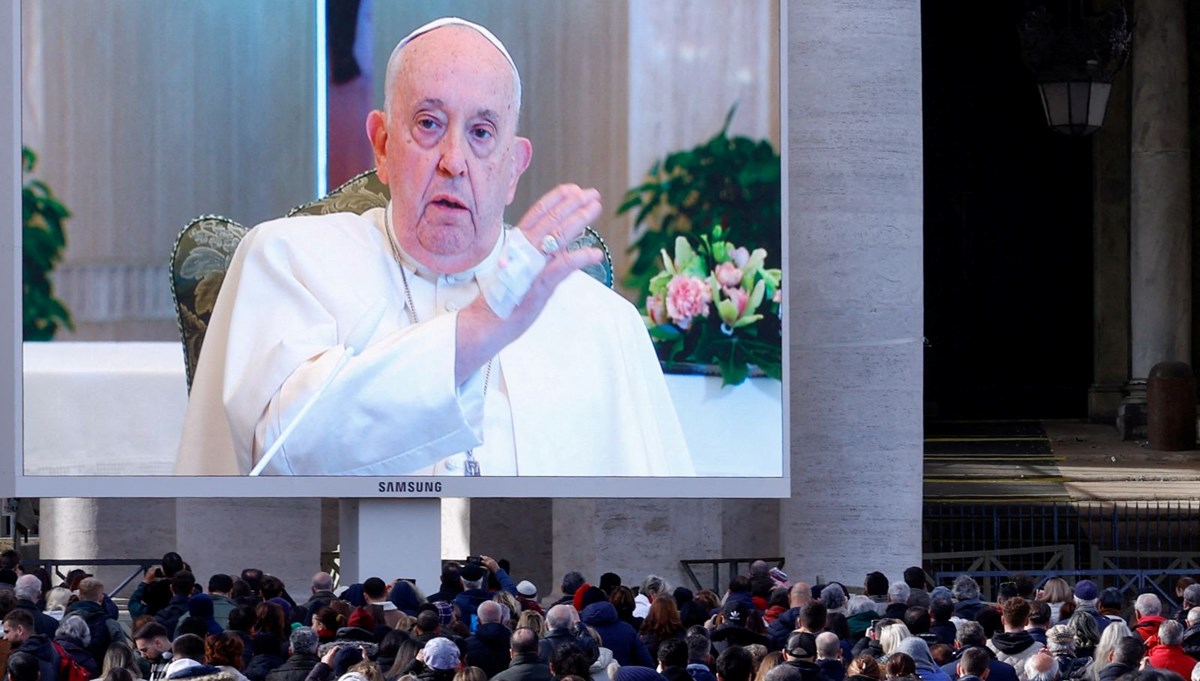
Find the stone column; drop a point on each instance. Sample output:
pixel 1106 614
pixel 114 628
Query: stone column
pixel 856 289
pixel 1110 256
pixel 1160 203
pixel 74 528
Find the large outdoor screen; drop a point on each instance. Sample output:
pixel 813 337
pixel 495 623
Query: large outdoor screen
pixel 185 117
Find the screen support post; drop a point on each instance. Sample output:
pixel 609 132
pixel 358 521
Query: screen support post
pixel 390 538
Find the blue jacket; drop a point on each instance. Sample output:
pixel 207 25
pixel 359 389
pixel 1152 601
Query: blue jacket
pixel 618 636
pixel 468 601
pixel 997 670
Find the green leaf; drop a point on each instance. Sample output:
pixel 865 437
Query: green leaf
pixel 666 332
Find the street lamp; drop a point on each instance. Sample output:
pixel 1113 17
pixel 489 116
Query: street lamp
pixel 1075 59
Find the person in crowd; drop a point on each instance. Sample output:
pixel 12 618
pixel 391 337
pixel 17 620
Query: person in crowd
pixel 700 658
pixel 734 664
pixel 1147 610
pixel 225 651
pixel 121 655
pixel 266 655
pixel 181 590
pixel 829 657
pixel 918 650
pixel 1109 603
pixel 890 636
pixel 1087 635
pixel 302 657
pixel 672 656
pixel 154 644
pixel 863 614
pixel 918 622
pixel 153 593
pixel 28 592
pixel 188 661
pixel 1087 598
pixel 619 637
pixel 489 647
pixel 973 665
pixel 734 626
pixel 1039 620
pixel 941 653
pixel 625 603
pixel 1189 598
pixel 23 666
pixel 1055 592
pixel 105 629
pixel 654 586
pixel 940 611
pixel 770 661
pixel 571 581
pixel 800 653
pixel 662 623
pixel 799 594
pixel 524 662
pixel 970 636
pixel 1060 642
pixel 473 578
pixel 73 637
pixel 320 594
pixel 691 612
pixel 1042 667
pixel 918 582
pixel 1125 658
pixel 1191 635
pixel 897 600
pixel 900 667
pixel 833 595
pixel 21 634
pixel 527 596
pixel 966 595
pixel 864 668
pixel 1108 641
pixel 57 600
pixel 376 591
pixel 569 660
pixel 269 619
pixel 1168 654
pixel 563 626
pixel 1014 645
pixel 875 587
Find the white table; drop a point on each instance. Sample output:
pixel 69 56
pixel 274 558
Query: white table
pixel 117 409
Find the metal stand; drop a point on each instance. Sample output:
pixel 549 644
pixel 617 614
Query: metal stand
pixel 390 538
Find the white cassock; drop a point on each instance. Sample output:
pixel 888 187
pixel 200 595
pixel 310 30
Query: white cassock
pixel 580 393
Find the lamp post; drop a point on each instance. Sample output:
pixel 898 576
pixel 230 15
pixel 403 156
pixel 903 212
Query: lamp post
pixel 1074 58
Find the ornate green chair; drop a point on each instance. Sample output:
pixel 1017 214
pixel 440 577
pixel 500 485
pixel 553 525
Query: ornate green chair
pixel 204 248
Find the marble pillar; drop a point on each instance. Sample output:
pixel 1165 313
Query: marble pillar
pixel 856 289
pixel 1110 256
pixel 75 528
pixel 1160 200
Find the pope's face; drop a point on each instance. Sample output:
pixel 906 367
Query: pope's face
pixel 447 147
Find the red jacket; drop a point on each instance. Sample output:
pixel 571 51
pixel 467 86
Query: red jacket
pixel 1173 658
pixel 1147 627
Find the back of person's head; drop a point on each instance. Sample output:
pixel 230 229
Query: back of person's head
pixel 970 633
pixel 899 592
pixel 374 588
pixel 220 583
pixel 1015 612
pixel 1128 651
pixel 171 563
pixel 989 619
pixel 91 589
pixel 524 640
pixel 242 618
pixel 941 609
pixel 182 583
pixel 609 581
pixel 974 661
pixel 1170 633
pixel 119 654
pixel 1026 587
pixel 1040 667
pixel 303 641
pixel 428 621
pixel 865 665
pixel 569 658
pixel 271 587
pixel 1193 616
pixel 653 585
pixel 784 672
pixel 828 646
pixel 561 616
pixel 1191 595
pixel 833 596
pixel 900 665
pixel 876 584
pixel 571 583
pixel 1087 632
pixel 1061 639
pixel 57 598
pixel 150 631
pixel 1039 614
pixel 917 620
pixel 74 628
pixel 699 648
pixel 225 650
pixel 813 615
pixel 265 643
pixel 10 559
pixel 673 652
pixel 22 666
pixel 891 635
pixel 490 612
pixel 739 584
pixel 734 664
pixel 253 579
pixel 189 646
pixel 965 588
pixel 1147 605
pixel 28 588
pixel 914 577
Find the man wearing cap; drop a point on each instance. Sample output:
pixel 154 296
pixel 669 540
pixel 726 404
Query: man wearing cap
pixel 527 597
pixel 484 350
pixel 800 652
pixel 474 578
pixel 732 630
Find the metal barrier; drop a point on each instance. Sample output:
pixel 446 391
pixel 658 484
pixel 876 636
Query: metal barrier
pixel 53 566
pixel 732 566
pixel 1130 583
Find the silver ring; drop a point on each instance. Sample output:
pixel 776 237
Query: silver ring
pixel 550 244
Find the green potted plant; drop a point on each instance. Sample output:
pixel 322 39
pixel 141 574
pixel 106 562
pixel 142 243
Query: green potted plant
pixel 43 241
pixel 707 260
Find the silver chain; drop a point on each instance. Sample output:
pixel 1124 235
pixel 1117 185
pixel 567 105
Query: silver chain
pixel 472 466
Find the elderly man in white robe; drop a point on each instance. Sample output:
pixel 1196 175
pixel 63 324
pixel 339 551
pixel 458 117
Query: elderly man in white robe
pixel 493 355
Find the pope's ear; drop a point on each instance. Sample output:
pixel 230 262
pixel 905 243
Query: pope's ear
pixel 522 154
pixel 377 134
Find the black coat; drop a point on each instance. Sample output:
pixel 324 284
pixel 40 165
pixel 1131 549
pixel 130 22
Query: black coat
pixel 296 668
pixel 487 648
pixel 525 667
pixel 261 665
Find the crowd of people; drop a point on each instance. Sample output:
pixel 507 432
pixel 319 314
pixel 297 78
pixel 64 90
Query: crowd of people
pixel 482 625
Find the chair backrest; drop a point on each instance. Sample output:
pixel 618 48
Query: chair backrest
pixel 205 246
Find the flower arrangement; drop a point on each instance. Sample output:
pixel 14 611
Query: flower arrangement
pixel 717 303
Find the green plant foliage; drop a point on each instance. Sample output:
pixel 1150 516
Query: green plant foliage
pixel 730 181
pixel 43 242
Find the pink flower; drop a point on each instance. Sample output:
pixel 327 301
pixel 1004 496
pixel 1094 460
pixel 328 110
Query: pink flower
pixel 687 297
pixel 728 274
pixel 656 309
pixel 739 297
pixel 740 256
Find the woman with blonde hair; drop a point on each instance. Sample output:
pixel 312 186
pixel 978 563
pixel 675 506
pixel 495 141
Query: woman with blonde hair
pixel 891 635
pixel 770 661
pixel 532 619
pixel 1055 592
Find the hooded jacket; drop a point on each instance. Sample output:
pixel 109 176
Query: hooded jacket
pixel 918 650
pixel 618 636
pixel 1015 648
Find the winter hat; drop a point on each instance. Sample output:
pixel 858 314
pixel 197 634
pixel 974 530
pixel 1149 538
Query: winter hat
pixel 527 589
pixel 362 619
pixel 1085 590
pixel 735 612
pixel 441 653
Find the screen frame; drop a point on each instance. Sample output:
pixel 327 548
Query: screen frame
pixel 13 481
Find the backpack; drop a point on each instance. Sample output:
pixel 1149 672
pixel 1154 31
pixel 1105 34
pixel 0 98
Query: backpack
pixel 68 668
